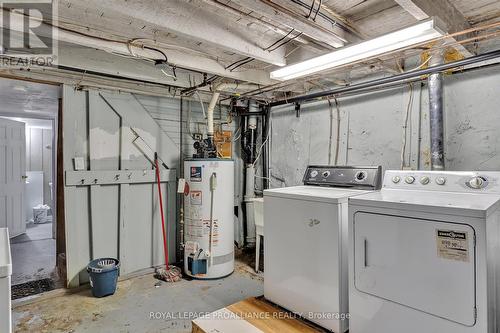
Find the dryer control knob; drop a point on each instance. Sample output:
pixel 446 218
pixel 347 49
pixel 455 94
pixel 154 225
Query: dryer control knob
pixel 396 179
pixel 440 180
pixel 326 174
pixel 425 180
pixel 477 182
pixel 410 180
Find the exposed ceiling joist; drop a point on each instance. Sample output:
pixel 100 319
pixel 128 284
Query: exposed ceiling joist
pixel 178 58
pixel 442 9
pixel 332 36
pixel 249 15
pixel 190 19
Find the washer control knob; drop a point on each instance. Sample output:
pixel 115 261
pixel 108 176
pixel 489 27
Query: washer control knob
pixel 360 176
pixel 440 180
pixel 314 173
pixel 326 174
pixel 409 179
pixel 477 182
pixel 425 180
pixel 396 179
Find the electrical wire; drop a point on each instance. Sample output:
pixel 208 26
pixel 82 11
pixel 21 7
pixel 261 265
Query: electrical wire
pixel 201 103
pixel 405 127
pixel 236 62
pixel 330 137
pixel 241 64
pixel 259 152
pixel 157 50
pixel 311 9
pixel 274 46
pixel 413 69
pixel 279 40
pixel 188 120
pixel 317 11
pixel 285 42
pixel 337 146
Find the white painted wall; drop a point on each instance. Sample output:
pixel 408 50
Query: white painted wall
pixel 39 156
pixel 114 220
pixel 372 129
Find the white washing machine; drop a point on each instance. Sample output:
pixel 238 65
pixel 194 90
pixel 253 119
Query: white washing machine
pixel 424 254
pixel 305 242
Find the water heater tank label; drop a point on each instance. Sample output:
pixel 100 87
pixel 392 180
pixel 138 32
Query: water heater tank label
pixel 196 174
pixel 196 198
pixel 453 245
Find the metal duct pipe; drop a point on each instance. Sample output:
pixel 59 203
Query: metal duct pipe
pixel 435 87
pixel 392 79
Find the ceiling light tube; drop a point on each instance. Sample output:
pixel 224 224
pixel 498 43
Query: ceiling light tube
pixel 421 32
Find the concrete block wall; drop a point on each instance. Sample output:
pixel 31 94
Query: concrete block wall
pixel 372 127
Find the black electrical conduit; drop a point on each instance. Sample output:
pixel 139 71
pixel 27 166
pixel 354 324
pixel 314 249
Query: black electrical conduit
pixel 391 79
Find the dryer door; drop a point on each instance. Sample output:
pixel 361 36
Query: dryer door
pixel 422 264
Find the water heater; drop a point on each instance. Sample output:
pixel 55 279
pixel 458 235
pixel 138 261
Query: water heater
pixel 208 218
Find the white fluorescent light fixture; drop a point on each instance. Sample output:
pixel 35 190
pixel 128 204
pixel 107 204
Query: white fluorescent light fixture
pixel 421 32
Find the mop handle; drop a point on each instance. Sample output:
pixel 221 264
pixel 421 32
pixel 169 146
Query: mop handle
pixel 165 248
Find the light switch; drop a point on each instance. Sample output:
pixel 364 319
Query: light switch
pixel 181 185
pixel 79 163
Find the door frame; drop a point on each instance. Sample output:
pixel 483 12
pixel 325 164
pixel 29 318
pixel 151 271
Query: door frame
pixel 58 231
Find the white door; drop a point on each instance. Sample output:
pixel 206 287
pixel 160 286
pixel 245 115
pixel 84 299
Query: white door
pixel 424 265
pixel 12 171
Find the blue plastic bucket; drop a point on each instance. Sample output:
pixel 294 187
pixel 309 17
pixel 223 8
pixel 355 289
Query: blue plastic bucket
pixel 103 276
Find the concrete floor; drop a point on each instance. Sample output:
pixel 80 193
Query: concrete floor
pixel 138 305
pixel 33 254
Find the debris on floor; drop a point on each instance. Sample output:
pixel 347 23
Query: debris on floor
pixel 32 288
pixel 172 274
pixel 138 306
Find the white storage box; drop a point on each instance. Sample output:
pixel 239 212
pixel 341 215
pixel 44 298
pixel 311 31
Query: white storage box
pixel 5 273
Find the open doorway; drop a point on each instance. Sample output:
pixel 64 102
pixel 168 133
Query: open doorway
pixel 30 115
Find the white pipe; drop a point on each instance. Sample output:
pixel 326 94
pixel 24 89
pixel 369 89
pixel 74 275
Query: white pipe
pixel 43 29
pixel 215 97
pixel 210 114
pixel 249 203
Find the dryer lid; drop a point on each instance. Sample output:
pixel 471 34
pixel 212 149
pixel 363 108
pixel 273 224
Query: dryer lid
pixel 314 193
pixel 452 203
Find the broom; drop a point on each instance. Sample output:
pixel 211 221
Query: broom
pixel 170 273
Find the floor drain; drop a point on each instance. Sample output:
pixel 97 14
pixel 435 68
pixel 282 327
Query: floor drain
pixel 32 288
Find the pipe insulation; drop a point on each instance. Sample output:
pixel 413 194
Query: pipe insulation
pixel 435 88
